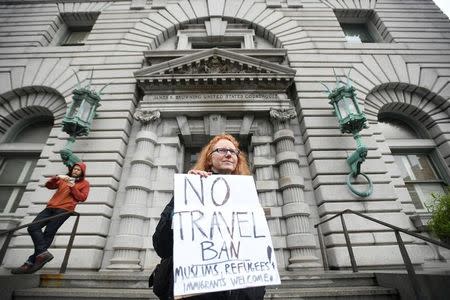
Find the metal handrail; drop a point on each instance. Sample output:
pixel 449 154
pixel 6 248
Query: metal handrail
pixel 10 233
pixel 406 259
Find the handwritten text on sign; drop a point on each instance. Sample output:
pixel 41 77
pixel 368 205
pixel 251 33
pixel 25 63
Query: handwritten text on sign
pixel 221 237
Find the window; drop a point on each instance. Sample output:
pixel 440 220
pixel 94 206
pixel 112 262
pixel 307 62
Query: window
pixel 14 176
pixel 76 37
pixel 18 157
pixel 357 33
pixel 75 28
pixel 415 161
pixel 397 129
pixel 420 177
pixel 210 45
pixel 362 26
pixel 215 33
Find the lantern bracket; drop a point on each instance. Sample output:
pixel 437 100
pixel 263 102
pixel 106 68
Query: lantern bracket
pixel 365 193
pixel 351 120
pixel 79 116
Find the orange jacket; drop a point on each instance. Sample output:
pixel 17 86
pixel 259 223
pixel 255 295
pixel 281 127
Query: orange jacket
pixel 67 197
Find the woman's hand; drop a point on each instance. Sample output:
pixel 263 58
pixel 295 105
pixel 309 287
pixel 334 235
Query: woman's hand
pixel 199 172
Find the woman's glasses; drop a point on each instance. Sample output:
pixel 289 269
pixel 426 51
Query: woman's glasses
pixel 224 151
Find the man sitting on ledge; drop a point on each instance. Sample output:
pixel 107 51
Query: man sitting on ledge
pixel 70 189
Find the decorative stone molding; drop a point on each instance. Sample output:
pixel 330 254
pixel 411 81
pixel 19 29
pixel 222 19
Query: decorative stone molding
pixel 214 68
pixel 146 116
pixel 283 114
pixel 214 65
pixel 216 27
pixel 275 55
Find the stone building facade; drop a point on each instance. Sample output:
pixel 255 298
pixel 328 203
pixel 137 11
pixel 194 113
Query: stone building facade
pixel 182 71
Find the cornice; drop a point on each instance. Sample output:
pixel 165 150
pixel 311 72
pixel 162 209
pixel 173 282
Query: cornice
pixel 276 55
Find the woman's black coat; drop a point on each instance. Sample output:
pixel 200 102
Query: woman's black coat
pixel 163 245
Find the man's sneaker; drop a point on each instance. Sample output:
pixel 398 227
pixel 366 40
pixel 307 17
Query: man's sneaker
pixel 41 260
pixel 26 268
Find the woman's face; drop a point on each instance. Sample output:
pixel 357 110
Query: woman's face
pixel 223 161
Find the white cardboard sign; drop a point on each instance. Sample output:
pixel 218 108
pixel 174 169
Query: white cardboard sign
pixel 221 237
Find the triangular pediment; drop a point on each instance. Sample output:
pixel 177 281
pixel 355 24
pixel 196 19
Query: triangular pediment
pixel 214 64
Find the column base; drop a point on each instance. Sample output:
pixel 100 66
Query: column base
pixel 124 264
pixel 304 262
pixel 122 267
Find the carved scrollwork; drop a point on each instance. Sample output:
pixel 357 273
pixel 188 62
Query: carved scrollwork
pixel 215 65
pixel 283 114
pixel 146 116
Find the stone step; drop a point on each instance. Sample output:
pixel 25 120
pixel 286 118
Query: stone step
pixel 347 292
pixel 323 293
pixel 140 280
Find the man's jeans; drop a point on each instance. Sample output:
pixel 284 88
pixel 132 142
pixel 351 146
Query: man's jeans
pixel 43 240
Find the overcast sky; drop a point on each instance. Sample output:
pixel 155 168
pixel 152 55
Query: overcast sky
pixel 444 5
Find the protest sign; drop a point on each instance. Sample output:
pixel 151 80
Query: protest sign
pixel 221 237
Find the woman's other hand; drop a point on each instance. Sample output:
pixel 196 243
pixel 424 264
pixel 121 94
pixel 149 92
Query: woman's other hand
pixel 199 172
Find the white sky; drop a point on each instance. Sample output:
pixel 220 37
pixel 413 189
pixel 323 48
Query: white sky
pixel 444 5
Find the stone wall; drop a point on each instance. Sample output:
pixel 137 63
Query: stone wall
pixel 412 57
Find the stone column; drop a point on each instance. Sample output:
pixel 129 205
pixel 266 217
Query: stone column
pixel 300 241
pixel 130 241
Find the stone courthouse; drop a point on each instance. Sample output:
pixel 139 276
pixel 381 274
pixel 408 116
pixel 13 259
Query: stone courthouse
pixel 182 71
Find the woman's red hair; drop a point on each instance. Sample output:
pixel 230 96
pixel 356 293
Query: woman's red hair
pixel 204 162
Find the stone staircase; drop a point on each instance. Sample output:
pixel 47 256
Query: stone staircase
pixel 295 285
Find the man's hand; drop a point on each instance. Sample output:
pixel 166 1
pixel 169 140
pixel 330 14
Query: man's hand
pixel 64 177
pixel 67 179
pixel 199 172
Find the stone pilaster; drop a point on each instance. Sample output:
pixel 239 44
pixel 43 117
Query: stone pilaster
pixel 133 213
pixel 300 241
pixel 267 186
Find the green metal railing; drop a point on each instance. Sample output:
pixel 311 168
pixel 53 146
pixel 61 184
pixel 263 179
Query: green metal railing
pixel 10 234
pixel 397 230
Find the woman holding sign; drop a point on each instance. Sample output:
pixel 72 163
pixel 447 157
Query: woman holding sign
pixel 220 156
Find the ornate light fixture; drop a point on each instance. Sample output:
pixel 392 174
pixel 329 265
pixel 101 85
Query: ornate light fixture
pixel 78 118
pixel 351 120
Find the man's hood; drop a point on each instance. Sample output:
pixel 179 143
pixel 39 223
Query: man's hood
pixel 82 165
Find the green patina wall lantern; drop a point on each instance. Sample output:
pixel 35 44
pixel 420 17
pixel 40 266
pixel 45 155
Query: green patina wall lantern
pixel 351 120
pixel 78 118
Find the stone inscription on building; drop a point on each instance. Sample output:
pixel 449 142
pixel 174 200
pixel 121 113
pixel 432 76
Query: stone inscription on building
pixel 214 97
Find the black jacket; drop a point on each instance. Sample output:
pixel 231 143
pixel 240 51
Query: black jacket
pixel 163 245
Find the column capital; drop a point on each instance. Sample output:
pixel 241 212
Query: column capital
pixel 283 114
pixel 146 116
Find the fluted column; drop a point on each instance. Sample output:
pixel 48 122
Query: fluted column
pixel 300 240
pixel 130 240
pixel 267 186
